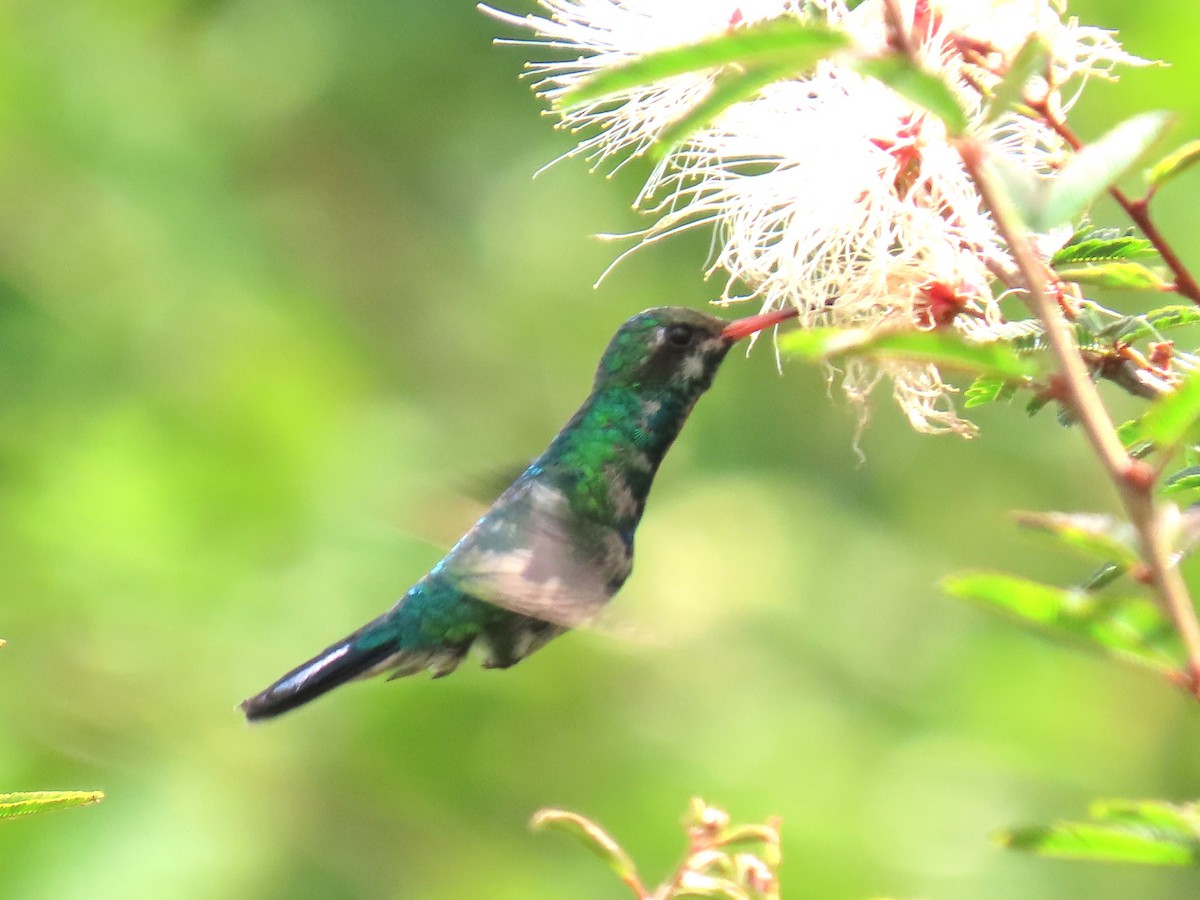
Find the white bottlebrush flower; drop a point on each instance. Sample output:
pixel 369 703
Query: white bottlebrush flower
pixel 830 192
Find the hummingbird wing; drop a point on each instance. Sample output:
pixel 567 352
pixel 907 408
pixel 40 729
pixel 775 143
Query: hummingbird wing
pixel 532 554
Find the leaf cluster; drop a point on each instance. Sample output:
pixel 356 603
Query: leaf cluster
pixel 725 861
pixel 1146 831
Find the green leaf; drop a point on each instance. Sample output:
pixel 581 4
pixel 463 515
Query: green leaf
pixel 1130 433
pixel 697 884
pixel 1170 418
pixel 751 834
pixel 939 347
pixel 1094 534
pixel 1036 404
pixel 1020 188
pixel 1131 629
pixel 914 84
pixel 1102 577
pixel 1169 317
pixel 1120 275
pixel 1173 164
pixel 21 804
pixel 1151 813
pixel 591 835
pixel 1091 320
pixel 1096 249
pixel 988 389
pixel 1031 337
pixel 1149 832
pixel 1149 325
pixel 782 42
pixel 1184 480
pixel 1097 166
pixel 1065 416
pixel 730 87
pixel 1030 60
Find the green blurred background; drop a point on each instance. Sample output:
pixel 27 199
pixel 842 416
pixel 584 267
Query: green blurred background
pixel 277 294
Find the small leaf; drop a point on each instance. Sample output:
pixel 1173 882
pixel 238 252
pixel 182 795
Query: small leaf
pixel 1101 843
pixel 1065 416
pixel 1098 249
pixel 708 819
pixel 1151 813
pixel 1169 317
pixel 1118 328
pixel 591 835
pixel 1036 404
pixel 917 86
pixel 20 804
pixel 1121 275
pixel 1150 324
pixel 730 87
pixel 1030 59
pixel 1130 433
pixel 697 884
pixel 1091 320
pixel 938 347
pixel 1148 832
pixel 1097 166
pixel 1130 629
pixel 1031 339
pixel 1022 189
pixel 774 42
pixel 1094 534
pixel 1173 164
pixel 1170 418
pixel 751 834
pixel 1184 480
pixel 1102 578
pixel 988 389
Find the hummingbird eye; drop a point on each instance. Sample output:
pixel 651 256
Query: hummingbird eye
pixel 679 335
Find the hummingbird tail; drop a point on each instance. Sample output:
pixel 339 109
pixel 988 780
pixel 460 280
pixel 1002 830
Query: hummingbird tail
pixel 333 666
pixel 387 644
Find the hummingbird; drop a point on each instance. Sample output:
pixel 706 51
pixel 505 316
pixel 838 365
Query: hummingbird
pixel 558 542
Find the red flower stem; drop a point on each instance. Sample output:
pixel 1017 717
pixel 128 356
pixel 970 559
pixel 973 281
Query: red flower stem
pixel 1137 210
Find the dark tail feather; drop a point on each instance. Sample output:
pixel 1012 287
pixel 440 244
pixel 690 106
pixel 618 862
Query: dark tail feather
pixel 333 666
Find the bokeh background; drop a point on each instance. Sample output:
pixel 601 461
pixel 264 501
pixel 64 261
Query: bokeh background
pixel 279 298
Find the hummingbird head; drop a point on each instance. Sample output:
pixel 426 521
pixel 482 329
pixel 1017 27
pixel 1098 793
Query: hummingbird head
pixel 672 348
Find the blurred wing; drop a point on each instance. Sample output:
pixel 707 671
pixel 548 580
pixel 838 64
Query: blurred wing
pixel 531 556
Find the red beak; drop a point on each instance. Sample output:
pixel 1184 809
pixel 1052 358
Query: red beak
pixel 740 328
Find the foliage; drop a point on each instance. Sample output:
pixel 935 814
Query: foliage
pixel 275 277
pixel 23 803
pixel 1148 832
pixel 1095 168
pixel 899 73
pixel 1130 629
pixel 944 349
pixel 730 862
pixel 775 43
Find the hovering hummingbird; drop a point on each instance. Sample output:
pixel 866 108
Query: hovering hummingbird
pixel 558 543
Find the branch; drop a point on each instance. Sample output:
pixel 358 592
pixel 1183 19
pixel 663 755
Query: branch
pixel 1133 479
pixel 1137 210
